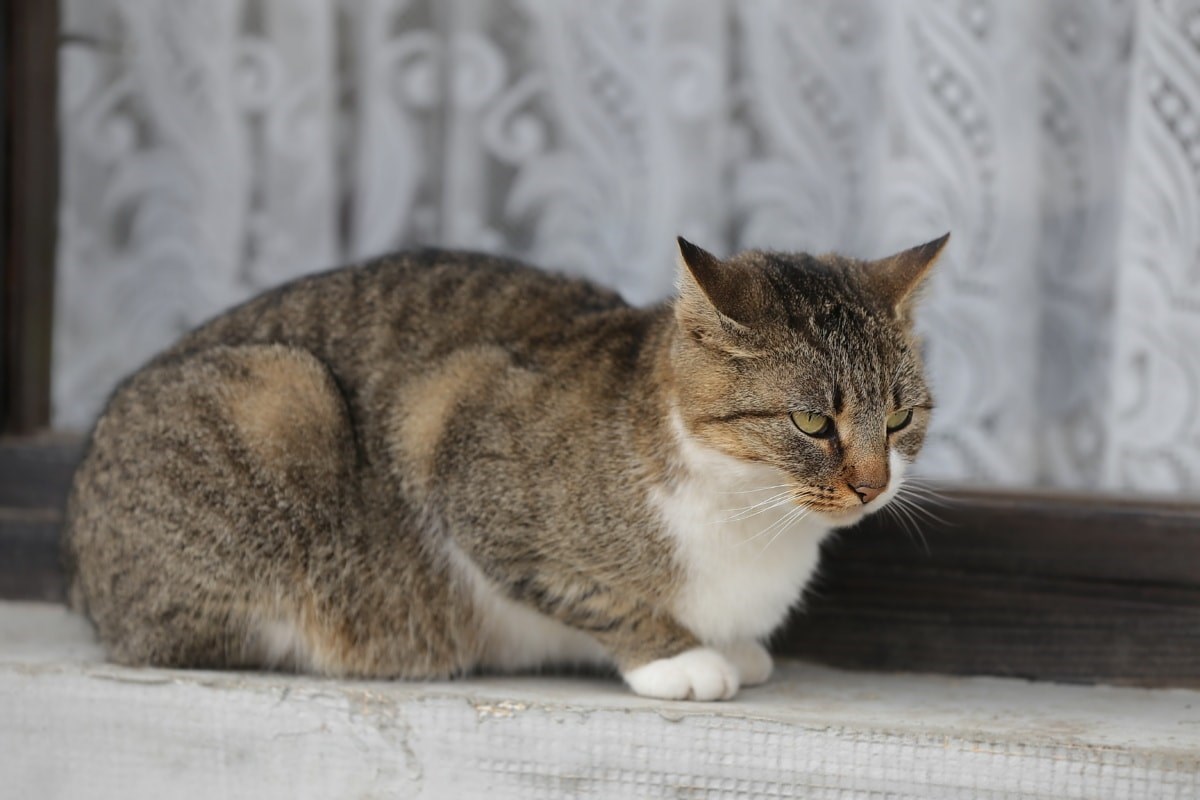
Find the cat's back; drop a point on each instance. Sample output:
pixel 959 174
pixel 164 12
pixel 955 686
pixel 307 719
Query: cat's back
pixel 416 303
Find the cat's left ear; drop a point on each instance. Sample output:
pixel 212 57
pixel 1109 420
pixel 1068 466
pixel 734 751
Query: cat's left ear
pixel 719 301
pixel 895 279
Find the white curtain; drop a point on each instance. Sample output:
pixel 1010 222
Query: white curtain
pixel 213 148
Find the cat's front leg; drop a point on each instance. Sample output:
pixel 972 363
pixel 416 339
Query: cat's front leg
pixel 703 673
pixel 751 660
pixel 658 657
pixel 655 654
pixel 700 673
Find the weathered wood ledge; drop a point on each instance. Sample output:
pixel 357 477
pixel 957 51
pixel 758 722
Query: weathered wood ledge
pixel 72 726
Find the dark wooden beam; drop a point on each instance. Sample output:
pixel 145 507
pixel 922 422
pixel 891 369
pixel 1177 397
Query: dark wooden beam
pixel 35 475
pixel 1055 587
pixel 1047 586
pixel 28 209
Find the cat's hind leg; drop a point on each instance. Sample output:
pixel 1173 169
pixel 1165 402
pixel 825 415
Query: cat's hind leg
pixel 201 495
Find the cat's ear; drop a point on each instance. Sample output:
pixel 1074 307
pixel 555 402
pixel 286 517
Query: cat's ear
pixel 707 284
pixel 895 279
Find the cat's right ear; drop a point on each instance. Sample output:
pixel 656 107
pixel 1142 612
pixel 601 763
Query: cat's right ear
pixel 897 278
pixel 707 284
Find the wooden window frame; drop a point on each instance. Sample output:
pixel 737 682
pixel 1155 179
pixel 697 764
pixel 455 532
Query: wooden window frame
pixel 28 209
pixel 1061 587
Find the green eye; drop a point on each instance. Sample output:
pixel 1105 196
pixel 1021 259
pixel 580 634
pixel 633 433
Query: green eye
pixel 899 419
pixel 817 426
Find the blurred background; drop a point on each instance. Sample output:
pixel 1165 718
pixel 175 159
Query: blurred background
pixel 213 148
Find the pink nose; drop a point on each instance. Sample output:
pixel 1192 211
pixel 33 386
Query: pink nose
pixel 866 492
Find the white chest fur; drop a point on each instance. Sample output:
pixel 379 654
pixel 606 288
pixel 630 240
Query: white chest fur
pixel 746 559
pixel 745 565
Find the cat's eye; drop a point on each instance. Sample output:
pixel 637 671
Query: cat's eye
pixel 817 426
pixel 899 420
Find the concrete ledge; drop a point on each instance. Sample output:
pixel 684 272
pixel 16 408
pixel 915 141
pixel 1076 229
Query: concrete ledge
pixel 73 726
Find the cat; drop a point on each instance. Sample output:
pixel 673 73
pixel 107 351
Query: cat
pixel 442 462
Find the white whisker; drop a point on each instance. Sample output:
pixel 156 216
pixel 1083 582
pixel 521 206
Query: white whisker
pixel 792 518
pixel 782 523
pixel 910 502
pixel 760 502
pixel 778 500
pixel 905 520
pixel 926 490
pixel 759 489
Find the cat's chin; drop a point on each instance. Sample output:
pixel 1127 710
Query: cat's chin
pixel 848 516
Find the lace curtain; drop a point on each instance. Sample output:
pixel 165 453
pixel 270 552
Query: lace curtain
pixel 212 148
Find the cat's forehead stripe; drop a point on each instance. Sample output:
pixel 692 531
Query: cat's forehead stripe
pixel 839 399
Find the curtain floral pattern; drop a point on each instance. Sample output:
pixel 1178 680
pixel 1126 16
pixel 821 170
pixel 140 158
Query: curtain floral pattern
pixel 213 148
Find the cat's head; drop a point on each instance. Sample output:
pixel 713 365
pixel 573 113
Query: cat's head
pixel 808 364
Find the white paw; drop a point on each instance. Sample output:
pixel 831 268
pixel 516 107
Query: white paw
pixel 752 661
pixel 697 674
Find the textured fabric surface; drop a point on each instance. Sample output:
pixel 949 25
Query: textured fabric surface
pixel 216 147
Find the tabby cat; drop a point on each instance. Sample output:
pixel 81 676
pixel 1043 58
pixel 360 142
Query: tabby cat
pixel 443 462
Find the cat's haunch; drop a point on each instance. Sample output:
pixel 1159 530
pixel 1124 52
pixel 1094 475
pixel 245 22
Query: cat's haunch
pixel 442 462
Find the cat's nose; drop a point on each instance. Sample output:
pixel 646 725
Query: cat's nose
pixel 866 492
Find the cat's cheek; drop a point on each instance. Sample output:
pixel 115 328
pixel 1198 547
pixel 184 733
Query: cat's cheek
pixel 898 467
pixel 910 443
pixel 697 674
